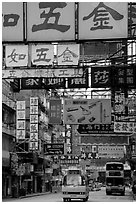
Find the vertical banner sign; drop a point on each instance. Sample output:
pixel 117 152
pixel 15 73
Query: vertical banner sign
pixel 33 123
pixel 55 111
pixel 12 19
pixel 50 21
pixel 68 139
pixel 16 55
pixel 68 54
pixel 42 54
pixel 102 20
pixel 20 120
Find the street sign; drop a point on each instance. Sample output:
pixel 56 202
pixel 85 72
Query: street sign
pixel 87 111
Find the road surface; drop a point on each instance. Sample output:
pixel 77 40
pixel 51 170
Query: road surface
pixel 94 196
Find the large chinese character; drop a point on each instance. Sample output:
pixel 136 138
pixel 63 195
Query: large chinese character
pixel 16 57
pixel 10 20
pixel 67 55
pixel 101 16
pixel 101 77
pixel 46 24
pixel 41 53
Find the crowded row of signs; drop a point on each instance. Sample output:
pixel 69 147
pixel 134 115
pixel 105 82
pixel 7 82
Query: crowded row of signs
pixel 55 21
pixel 101 77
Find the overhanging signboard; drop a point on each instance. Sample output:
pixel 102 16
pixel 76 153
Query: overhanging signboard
pixel 100 77
pixel 52 83
pixel 96 26
pixel 79 82
pixel 55 111
pixel 124 127
pixel 54 149
pixel 43 73
pixel 12 13
pixel 68 54
pixel 31 83
pixel 87 111
pixel 50 21
pixel 96 128
pixel 69 159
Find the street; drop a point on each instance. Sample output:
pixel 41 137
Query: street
pixel 94 196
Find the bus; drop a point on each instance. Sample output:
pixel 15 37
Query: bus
pixel 115 182
pixel 75 185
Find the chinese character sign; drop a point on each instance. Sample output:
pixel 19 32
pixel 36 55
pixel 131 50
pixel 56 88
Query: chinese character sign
pixel 16 55
pixel 124 127
pixel 100 77
pixel 42 54
pixel 33 143
pixel 68 54
pixel 50 21
pixel 102 20
pixel 55 111
pixel 20 120
pixel 12 17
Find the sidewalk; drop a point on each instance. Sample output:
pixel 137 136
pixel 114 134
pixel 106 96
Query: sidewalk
pixel 26 196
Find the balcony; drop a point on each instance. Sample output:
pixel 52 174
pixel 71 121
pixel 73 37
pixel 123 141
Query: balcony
pixel 8 129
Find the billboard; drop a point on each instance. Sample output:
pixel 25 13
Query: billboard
pixel 50 21
pixel 96 25
pixel 87 111
pixel 12 18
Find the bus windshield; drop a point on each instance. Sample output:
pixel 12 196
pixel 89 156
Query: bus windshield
pixel 74 180
pixel 114 181
pixel 114 167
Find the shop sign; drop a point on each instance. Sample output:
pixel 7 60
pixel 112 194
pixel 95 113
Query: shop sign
pixel 119 103
pixel 69 159
pixel 95 128
pixel 42 27
pixel 80 82
pixel 68 54
pixel 125 76
pixel 111 151
pixel 33 142
pixel 12 13
pixel 16 55
pixel 42 54
pixel 20 120
pixel 100 77
pixel 87 111
pixel 55 111
pixel 51 83
pixel 31 83
pixel 42 73
pixel 54 149
pixel 95 26
pixel 124 127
